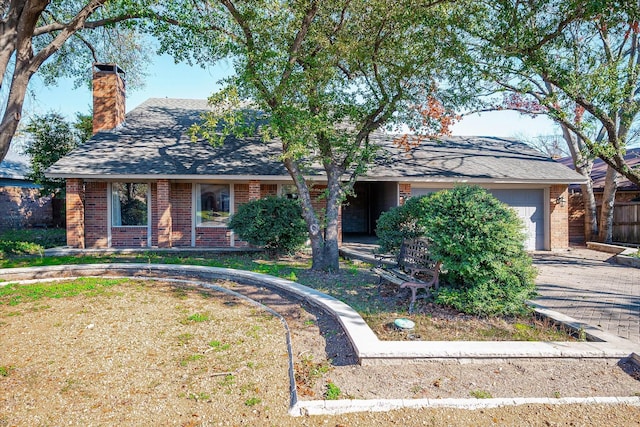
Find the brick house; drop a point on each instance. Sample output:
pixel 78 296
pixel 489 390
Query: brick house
pixel 20 201
pixel 141 182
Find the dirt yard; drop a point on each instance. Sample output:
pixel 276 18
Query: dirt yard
pixel 155 353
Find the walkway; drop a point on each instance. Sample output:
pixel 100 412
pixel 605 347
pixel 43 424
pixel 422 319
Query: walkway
pixel 588 286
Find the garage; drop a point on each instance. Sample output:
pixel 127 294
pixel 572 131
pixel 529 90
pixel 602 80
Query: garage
pixel 528 204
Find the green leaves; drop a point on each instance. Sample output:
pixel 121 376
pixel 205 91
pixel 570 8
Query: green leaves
pixel 479 241
pixel 51 138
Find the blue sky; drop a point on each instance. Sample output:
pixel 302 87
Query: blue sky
pixel 167 79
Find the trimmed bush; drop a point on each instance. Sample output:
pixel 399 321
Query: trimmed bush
pixel 274 223
pixel 481 245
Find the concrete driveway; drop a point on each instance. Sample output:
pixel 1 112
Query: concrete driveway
pixel 590 287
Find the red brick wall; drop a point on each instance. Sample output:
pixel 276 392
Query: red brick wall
pixel 405 192
pixel 213 237
pixel 254 190
pixel 559 217
pixel 576 219
pixel 129 237
pixel 75 213
pixel 95 215
pixel 23 207
pixel 268 190
pixel 154 214
pixel 240 195
pixel 181 214
pixel 108 100
pixel 163 209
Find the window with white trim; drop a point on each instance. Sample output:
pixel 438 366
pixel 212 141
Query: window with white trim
pixel 213 205
pixel 129 204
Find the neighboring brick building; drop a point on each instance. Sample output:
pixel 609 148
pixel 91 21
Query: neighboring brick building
pixel 20 202
pixel 143 183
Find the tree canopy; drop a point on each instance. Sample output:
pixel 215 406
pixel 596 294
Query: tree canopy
pixel 325 75
pixel 576 61
pixel 51 136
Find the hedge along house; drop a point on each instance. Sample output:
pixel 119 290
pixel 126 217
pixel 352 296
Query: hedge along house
pixel 141 182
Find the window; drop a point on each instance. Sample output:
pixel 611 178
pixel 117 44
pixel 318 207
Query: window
pixel 212 205
pixel 129 204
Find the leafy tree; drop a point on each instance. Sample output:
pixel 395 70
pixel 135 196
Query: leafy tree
pixel 326 75
pixel 52 137
pixel 577 62
pixel 273 222
pixel 34 32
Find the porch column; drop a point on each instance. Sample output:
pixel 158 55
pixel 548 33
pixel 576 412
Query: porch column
pixel 163 209
pixel 254 190
pixel 75 213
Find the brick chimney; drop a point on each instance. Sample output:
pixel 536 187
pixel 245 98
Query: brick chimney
pixel 108 96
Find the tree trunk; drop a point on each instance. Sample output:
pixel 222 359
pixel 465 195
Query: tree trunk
pixel 605 235
pixel 590 211
pixel 583 165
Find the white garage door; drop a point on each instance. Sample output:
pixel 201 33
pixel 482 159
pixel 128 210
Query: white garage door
pixel 529 205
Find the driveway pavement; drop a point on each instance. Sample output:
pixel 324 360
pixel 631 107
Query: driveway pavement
pixel 590 287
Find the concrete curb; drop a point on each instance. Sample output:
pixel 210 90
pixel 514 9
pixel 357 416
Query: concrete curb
pixel 336 407
pixel 368 348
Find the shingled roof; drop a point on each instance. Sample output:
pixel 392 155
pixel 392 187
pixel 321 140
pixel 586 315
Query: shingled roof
pixel 153 144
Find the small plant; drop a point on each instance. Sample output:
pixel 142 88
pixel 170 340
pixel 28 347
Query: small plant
pixel 183 339
pixel 582 334
pixel 307 373
pixel 480 394
pixel 252 401
pixel 192 358
pixel 556 394
pixel 332 392
pixel 199 397
pixel 228 380
pixel 218 346
pixel 5 370
pixel 196 318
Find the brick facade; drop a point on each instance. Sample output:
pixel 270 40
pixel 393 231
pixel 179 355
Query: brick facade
pixel 163 212
pixel 75 213
pixel 96 214
pixel 129 237
pixel 558 217
pixel 181 214
pixel 23 207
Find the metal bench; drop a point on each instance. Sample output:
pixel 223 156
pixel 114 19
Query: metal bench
pixel 414 268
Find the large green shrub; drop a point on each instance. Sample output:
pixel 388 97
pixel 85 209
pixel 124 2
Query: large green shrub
pixel 402 222
pixel 480 243
pixel 272 222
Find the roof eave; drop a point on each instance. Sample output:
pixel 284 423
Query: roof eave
pixel 287 178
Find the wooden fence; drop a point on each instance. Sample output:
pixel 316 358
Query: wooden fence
pixel 626 222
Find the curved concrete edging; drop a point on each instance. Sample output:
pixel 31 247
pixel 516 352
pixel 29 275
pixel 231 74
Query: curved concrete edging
pixel 368 348
pixel 336 407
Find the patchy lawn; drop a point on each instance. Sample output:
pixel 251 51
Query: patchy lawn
pixel 355 285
